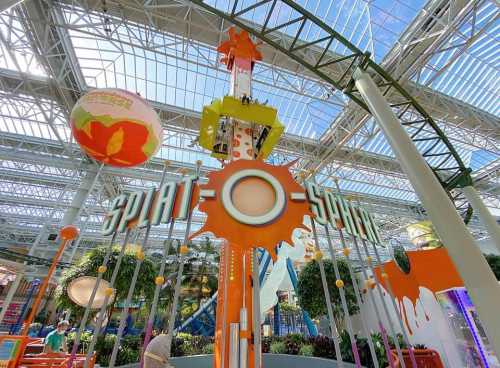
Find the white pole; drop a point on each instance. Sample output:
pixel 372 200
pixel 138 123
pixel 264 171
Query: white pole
pixel 256 309
pixel 484 214
pixel 478 278
pixel 234 345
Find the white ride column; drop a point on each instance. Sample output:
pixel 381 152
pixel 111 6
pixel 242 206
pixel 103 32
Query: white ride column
pixel 241 146
pixel 484 214
pixel 478 278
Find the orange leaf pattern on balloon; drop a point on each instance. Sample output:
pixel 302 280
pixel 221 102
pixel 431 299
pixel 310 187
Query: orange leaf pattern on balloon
pixel 115 143
pixel 119 144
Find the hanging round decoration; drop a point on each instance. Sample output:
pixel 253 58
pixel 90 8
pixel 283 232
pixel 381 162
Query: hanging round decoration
pixel 80 290
pixel 116 127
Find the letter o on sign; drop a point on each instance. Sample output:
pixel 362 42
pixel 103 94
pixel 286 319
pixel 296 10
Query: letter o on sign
pixel 262 181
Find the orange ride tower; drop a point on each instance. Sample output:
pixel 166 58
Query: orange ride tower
pixel 249 203
pixel 234 300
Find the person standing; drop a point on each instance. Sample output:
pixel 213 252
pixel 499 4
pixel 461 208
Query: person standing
pixel 55 341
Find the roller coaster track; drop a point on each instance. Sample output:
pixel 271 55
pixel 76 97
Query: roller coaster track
pixel 337 70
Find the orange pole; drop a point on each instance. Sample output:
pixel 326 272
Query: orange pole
pixel 232 274
pixel 67 234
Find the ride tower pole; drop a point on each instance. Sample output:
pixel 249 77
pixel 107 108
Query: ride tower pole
pixel 235 294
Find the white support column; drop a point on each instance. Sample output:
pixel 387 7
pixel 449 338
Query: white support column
pixel 478 278
pixel 10 294
pixel 86 186
pixel 484 214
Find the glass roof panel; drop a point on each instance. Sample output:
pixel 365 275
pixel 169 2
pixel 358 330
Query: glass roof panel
pixel 372 26
pixel 188 75
pixel 468 68
pixel 357 180
pixel 472 155
pixel 16 45
pixel 27 116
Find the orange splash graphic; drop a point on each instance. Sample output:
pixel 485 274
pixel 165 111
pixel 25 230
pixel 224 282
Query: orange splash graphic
pixel 243 236
pixel 431 269
pixel 238 46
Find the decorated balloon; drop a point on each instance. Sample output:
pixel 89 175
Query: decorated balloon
pixel 116 127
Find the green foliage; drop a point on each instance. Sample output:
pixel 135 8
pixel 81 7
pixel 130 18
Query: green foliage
pixel 90 262
pixel 323 347
pixel 310 289
pixel 128 352
pixel 494 262
pixel 85 339
pixel 306 350
pixel 278 347
pixel 185 344
pixel 208 349
pixel 286 307
pixel 267 341
pixel 293 342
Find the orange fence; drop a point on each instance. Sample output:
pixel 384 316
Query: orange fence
pixel 54 361
pixel 426 358
pixel 13 354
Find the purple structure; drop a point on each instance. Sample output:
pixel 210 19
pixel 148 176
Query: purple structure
pixel 471 339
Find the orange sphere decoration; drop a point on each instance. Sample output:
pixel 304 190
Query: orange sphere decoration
pixel 69 232
pixel 116 127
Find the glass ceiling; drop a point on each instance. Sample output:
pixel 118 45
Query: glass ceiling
pixel 164 68
pixel 189 76
pixel 372 26
pixel 471 75
pixel 472 156
pixel 14 33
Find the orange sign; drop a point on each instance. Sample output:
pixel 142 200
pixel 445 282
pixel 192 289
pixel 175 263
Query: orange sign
pixel 253 204
pixel 431 269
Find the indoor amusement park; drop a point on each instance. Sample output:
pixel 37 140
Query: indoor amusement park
pixel 249 183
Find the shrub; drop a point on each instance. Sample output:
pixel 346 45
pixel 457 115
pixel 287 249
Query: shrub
pixel 127 355
pixel 177 349
pixel 277 347
pixel 293 342
pixel 323 347
pixel 345 347
pixel 208 349
pixel 306 350
pixel 401 341
pixel 378 343
pixel 186 344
